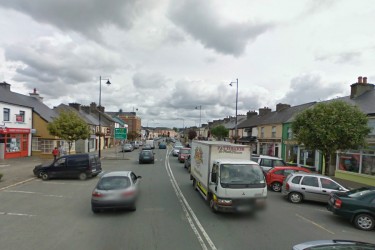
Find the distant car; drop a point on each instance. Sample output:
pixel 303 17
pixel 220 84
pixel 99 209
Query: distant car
pixel 267 162
pixel 135 144
pixel 306 186
pixel 276 176
pixel 79 166
pixel 127 147
pixel 183 154
pixel 334 245
pixel 116 190
pixel 162 145
pixel 176 149
pixel 146 156
pixel 187 163
pixel 147 147
pixel 357 205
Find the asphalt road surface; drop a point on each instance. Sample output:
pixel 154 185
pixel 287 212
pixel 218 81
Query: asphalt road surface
pixel 56 214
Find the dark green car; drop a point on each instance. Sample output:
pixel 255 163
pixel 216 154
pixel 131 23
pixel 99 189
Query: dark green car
pixel 358 205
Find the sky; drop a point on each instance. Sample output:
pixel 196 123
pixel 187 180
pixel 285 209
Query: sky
pixel 172 61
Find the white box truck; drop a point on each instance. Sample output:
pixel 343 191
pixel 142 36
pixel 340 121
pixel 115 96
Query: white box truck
pixel 226 178
pixel 151 143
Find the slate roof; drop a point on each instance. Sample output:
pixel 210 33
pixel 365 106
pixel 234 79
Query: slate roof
pixel 88 118
pixel 38 106
pixel 365 102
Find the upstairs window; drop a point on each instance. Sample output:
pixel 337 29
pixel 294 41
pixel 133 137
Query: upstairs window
pixel 290 133
pixel 6 115
pixel 21 116
pixel 273 132
pixel 262 132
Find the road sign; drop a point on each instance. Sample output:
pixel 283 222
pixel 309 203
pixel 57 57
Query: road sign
pixel 121 133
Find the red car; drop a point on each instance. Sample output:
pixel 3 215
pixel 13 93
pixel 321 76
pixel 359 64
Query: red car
pixel 183 154
pixel 276 176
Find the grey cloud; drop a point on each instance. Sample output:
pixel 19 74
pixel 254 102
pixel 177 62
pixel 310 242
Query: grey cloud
pixel 199 19
pixel 148 81
pixel 342 58
pixel 86 17
pixel 309 88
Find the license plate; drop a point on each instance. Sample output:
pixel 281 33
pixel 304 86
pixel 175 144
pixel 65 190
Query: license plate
pixel 244 208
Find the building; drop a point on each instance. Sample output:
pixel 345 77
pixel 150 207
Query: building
pixel 130 118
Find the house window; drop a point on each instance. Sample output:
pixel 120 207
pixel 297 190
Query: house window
pixel 273 132
pixel 262 132
pixel 289 133
pixel 6 115
pixel 21 116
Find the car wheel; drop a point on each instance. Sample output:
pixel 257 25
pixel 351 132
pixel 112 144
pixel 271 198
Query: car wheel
pixel 212 205
pixel 276 186
pixel 295 197
pixel 82 176
pixel 95 210
pixel 39 175
pixel 133 208
pixel 364 222
pixel 44 176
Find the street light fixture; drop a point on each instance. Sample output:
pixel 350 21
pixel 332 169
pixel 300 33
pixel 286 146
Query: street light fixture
pixel 200 116
pixel 236 132
pixel 100 113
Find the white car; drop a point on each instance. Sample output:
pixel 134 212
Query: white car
pixel 176 150
pixel 267 162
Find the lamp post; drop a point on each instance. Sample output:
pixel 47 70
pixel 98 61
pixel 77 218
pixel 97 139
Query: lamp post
pixel 236 132
pixel 100 113
pixel 200 116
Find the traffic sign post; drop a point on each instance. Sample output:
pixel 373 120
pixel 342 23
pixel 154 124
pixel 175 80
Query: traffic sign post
pixel 121 133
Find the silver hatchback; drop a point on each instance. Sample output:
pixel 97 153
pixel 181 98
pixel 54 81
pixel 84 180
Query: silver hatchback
pixel 118 189
pixel 305 186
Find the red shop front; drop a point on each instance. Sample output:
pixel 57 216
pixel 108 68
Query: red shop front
pixel 15 141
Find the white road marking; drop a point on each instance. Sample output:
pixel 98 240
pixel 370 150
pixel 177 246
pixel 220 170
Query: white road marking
pixel 189 213
pixel 315 224
pixel 27 192
pixel 16 214
pixel 4 165
pixel 18 183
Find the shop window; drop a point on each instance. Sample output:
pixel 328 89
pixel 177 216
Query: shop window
pixel 13 144
pixel 368 164
pixel 349 162
pixel 6 115
pixel 307 157
pixel 35 144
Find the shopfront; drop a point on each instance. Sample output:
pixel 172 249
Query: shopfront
pixel 14 142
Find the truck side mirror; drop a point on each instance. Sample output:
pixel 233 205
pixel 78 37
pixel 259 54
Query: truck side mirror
pixel 214 177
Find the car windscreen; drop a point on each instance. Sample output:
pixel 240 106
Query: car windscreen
pixel 357 193
pixel 113 183
pixel 241 174
pixel 146 153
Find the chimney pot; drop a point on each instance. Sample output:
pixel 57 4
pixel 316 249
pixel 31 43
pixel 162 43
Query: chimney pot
pixel 364 80
pixel 359 79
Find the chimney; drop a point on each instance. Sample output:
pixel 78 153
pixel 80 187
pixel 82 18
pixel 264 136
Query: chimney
pixel 5 85
pixel 86 109
pixel 264 111
pixel 251 114
pixel 77 106
pixel 93 107
pixel 281 106
pixel 101 109
pixel 36 95
pixel 359 88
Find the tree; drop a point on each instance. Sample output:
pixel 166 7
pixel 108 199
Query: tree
pixel 69 127
pixel 220 132
pixel 192 134
pixel 329 127
pixel 133 135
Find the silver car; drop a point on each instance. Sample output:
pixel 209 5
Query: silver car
pixel 118 189
pixel 176 150
pixel 306 186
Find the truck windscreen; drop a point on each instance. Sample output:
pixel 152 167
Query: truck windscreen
pixel 241 174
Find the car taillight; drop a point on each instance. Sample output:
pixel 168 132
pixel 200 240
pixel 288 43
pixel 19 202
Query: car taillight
pixel 338 203
pixel 97 194
pixel 287 186
pixel 128 193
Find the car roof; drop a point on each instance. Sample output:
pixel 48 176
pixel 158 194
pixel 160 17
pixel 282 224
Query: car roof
pixel 288 167
pixel 310 174
pixel 116 173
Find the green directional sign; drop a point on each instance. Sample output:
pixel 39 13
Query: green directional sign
pixel 121 133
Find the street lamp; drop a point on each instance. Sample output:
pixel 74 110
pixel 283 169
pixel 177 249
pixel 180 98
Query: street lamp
pixel 100 113
pixel 236 132
pixel 200 116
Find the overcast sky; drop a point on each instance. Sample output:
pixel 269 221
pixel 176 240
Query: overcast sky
pixel 166 57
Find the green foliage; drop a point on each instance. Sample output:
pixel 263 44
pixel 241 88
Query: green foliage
pixel 192 134
pixel 331 126
pixel 133 135
pixel 175 129
pixel 220 132
pixel 69 127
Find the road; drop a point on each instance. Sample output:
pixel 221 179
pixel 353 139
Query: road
pixel 56 214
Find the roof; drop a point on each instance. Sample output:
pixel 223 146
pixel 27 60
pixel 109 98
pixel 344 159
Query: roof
pixel 238 161
pixel 38 106
pixel 365 102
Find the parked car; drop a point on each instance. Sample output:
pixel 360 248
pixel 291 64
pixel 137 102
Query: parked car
pixel 176 149
pixel 183 153
pixel 162 145
pixel 334 245
pixel 267 162
pixel 277 175
pixel 127 147
pixel 79 166
pixel 357 205
pixel 146 147
pixel 306 186
pixel 135 144
pixel 146 156
pixel 116 190
pixel 187 163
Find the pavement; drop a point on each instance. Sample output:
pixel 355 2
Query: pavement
pixel 20 170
